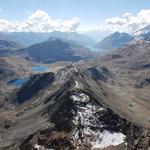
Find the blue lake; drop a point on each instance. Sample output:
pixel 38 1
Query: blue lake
pixel 95 49
pixel 39 68
pixel 17 82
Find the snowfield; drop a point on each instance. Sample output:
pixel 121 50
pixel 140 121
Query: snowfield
pixel 106 139
pixel 85 119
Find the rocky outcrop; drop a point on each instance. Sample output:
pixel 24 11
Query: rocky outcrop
pixel 33 86
pixel 138 138
pixel 142 82
pixel 100 73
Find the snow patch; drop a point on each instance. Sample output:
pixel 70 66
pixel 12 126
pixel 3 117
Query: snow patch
pixel 88 128
pixel 76 84
pixel 80 98
pixel 76 70
pixel 106 139
pixel 39 147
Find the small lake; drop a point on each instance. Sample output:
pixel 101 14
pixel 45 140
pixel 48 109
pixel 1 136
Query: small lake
pixel 95 49
pixel 17 82
pixel 98 50
pixel 39 68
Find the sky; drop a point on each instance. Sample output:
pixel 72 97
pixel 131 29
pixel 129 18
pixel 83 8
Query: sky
pixel 73 15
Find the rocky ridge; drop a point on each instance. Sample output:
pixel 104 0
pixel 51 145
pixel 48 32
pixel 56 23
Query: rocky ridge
pixel 75 118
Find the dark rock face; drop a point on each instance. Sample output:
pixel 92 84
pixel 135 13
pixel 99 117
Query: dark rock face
pixel 138 139
pixel 100 73
pixel 33 85
pixel 146 66
pixel 142 82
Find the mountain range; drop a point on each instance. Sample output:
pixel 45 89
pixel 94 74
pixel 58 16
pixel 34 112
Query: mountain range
pixel 31 38
pixel 115 41
pixel 55 49
pixel 80 101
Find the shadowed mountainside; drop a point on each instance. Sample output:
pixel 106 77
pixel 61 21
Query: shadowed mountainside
pixel 57 50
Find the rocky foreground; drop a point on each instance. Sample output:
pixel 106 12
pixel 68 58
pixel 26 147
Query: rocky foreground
pixel 70 109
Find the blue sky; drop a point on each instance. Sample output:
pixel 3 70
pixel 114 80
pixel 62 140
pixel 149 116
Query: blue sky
pixel 90 12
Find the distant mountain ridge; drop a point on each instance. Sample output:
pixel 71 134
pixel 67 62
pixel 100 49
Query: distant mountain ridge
pixel 26 38
pixel 30 38
pixel 82 39
pixel 56 49
pixel 7 45
pixel 143 33
pixel 115 41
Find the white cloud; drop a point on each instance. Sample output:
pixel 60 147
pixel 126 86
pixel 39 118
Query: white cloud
pixel 0 10
pixel 128 22
pixel 39 21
